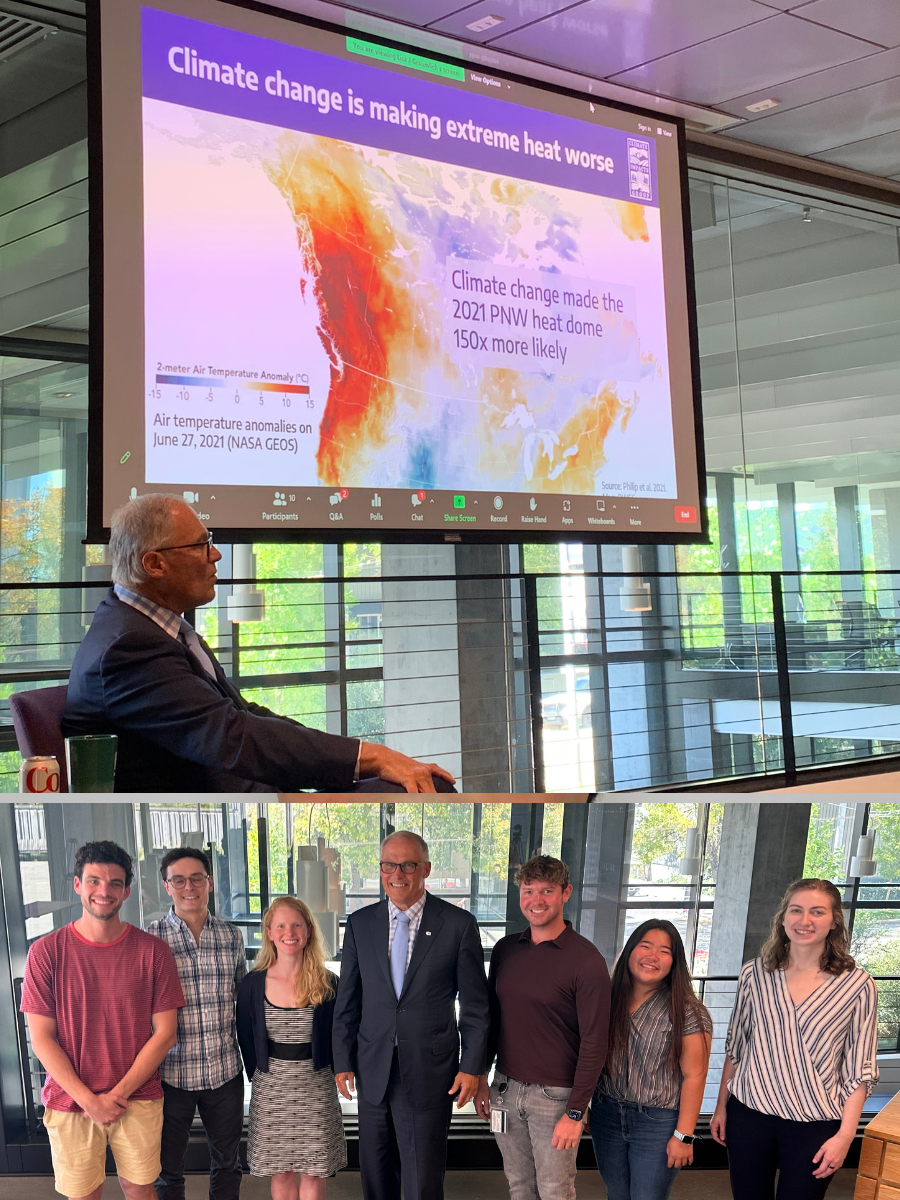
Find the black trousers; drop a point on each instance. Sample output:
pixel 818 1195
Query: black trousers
pixel 401 1143
pixel 758 1145
pixel 222 1113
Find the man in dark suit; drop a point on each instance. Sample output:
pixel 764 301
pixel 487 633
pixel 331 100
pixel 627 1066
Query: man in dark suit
pixel 404 961
pixel 144 674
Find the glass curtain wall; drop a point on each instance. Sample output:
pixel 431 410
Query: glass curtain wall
pixel 629 862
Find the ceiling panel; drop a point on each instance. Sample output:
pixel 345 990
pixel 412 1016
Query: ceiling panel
pixel 414 12
pixel 515 13
pixel 879 155
pixel 759 56
pixel 869 111
pixel 876 20
pixel 784 5
pixel 845 77
pixel 604 37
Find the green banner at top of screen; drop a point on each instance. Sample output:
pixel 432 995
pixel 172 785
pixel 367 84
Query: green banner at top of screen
pixel 403 58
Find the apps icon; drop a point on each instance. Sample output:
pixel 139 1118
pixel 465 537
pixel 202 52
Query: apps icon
pixel 567 505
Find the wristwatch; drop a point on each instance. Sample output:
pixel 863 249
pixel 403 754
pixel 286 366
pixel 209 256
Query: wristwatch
pixel 575 1114
pixel 687 1138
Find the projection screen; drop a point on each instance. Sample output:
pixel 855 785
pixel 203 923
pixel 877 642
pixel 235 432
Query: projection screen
pixel 351 290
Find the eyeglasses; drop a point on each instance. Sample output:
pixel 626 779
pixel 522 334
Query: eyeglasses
pixel 178 881
pixel 408 868
pixel 206 544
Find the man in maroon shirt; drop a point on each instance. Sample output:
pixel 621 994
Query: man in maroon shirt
pixel 549 990
pixel 102 998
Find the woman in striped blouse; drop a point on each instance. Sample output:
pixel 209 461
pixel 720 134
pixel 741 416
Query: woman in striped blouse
pixel 648 1098
pixel 800 1053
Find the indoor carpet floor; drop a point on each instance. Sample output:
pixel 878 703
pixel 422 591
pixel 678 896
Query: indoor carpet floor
pixel 461 1185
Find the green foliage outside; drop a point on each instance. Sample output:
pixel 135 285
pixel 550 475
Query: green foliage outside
pixel 660 832
pixel 823 860
pixel 551 842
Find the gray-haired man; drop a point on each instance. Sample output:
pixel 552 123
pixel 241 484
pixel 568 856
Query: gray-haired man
pixel 144 674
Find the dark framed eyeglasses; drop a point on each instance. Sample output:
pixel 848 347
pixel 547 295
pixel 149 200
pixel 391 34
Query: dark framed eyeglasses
pixel 206 544
pixel 408 868
pixel 179 881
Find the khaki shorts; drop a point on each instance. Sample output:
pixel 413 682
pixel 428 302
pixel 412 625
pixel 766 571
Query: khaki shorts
pixel 78 1146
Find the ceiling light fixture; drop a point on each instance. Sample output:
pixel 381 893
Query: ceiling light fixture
pixel 690 864
pixel 483 24
pixel 63 395
pixel 863 863
pixel 762 105
pixel 807 215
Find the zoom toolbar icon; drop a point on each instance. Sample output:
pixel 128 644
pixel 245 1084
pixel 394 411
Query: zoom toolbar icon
pixel 417 498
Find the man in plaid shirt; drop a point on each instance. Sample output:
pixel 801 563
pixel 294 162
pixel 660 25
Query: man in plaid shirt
pixel 203 1070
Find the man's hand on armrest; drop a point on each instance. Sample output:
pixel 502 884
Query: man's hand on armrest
pixel 381 763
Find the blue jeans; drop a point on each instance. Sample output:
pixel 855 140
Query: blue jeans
pixel 630 1144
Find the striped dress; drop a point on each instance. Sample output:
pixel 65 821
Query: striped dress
pixel 801 1062
pixel 295 1114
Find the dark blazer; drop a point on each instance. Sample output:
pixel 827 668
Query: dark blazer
pixel 447 960
pixel 251 1025
pixel 180 730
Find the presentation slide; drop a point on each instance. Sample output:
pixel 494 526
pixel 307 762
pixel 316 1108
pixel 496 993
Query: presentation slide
pixel 380 292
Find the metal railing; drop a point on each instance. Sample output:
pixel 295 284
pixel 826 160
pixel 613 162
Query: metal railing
pixel 544 682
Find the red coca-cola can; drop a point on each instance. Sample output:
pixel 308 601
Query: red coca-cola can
pixel 40 773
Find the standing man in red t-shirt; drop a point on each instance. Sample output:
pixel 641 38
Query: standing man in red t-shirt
pixel 102 998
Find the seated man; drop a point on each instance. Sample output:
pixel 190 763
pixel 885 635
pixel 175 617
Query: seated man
pixel 144 674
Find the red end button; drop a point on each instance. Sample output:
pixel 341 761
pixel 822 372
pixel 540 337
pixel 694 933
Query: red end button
pixel 685 513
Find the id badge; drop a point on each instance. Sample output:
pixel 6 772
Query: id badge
pixel 498 1120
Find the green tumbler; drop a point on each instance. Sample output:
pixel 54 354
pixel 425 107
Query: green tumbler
pixel 91 762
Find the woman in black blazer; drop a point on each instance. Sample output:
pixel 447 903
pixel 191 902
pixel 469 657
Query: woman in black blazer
pixel 285 1008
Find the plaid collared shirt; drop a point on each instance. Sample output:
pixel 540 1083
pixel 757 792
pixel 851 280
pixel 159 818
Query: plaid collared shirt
pixel 164 617
pixel 414 912
pixel 206 1053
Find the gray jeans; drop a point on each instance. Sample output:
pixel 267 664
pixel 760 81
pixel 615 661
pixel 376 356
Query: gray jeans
pixel 534 1170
